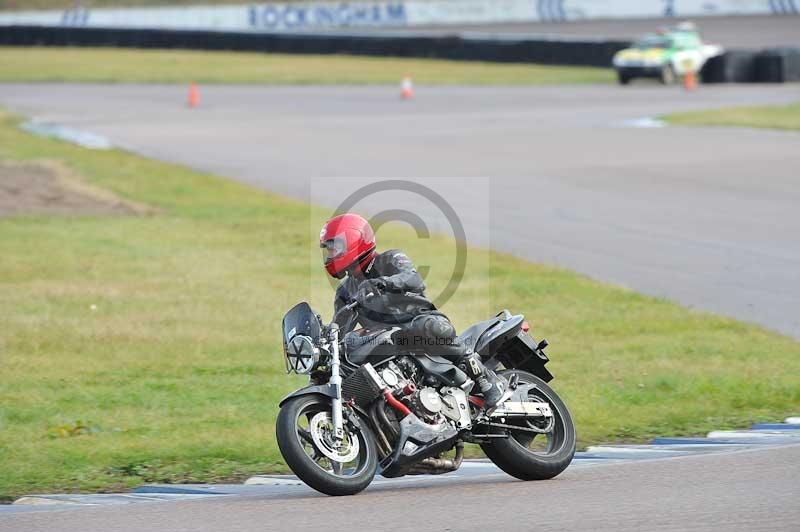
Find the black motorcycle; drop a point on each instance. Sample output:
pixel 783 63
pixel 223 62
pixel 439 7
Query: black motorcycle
pixel 377 402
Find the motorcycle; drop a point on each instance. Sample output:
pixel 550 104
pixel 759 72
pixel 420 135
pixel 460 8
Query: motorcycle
pixel 375 402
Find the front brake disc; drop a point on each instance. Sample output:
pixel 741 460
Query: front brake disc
pixel 321 429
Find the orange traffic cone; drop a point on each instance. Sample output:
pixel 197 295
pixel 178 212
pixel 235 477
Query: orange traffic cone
pixel 194 95
pixel 690 80
pixel 406 88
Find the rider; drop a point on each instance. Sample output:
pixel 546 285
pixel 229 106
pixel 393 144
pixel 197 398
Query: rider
pixel 391 292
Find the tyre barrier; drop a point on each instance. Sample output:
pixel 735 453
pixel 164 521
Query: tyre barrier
pixel 778 65
pixel 734 66
pixel 775 65
pixel 586 52
pixel 738 66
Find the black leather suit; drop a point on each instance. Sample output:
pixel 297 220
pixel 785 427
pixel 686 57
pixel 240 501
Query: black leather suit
pixel 402 304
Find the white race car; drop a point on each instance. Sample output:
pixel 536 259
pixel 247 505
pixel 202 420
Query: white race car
pixel 666 55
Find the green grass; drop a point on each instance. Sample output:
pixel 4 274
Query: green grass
pixel 785 117
pixel 174 375
pixel 184 66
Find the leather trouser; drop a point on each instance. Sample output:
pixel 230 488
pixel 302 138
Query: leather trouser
pixel 434 333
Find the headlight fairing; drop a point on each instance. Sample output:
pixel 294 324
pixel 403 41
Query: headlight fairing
pixel 301 355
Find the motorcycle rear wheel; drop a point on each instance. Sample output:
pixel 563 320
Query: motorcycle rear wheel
pixel 518 454
pixel 303 430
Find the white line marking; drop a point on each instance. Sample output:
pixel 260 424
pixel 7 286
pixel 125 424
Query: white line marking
pixel 633 450
pixel 272 481
pixel 646 122
pixel 735 434
pixel 76 136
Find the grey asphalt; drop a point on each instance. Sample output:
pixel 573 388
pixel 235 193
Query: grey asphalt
pixel 706 217
pixel 746 490
pixel 736 32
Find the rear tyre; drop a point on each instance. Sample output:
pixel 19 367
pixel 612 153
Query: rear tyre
pixel 623 78
pixel 529 456
pixel 668 76
pixel 304 431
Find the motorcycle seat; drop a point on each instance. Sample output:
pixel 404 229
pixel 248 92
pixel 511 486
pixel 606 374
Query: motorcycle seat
pixel 470 336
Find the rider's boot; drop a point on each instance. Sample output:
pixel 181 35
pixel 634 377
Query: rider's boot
pixel 491 386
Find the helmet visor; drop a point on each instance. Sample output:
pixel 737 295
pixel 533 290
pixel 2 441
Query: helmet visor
pixel 333 248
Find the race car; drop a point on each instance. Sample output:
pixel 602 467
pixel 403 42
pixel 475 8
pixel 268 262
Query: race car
pixel 667 55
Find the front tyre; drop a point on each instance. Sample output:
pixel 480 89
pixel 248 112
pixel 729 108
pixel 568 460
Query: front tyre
pixel 529 456
pixel 304 430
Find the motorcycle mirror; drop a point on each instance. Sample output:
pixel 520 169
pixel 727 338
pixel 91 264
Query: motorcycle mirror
pixel 542 344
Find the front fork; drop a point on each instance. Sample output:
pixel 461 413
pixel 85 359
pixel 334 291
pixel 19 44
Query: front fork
pixel 336 384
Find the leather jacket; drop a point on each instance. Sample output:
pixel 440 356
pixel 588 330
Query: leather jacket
pixel 403 299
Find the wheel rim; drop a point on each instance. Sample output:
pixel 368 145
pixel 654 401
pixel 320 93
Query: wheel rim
pixel 314 431
pixel 552 441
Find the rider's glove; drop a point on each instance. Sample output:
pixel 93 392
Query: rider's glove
pixel 379 283
pixel 367 290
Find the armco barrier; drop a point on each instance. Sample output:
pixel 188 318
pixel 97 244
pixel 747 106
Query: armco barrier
pixel 589 52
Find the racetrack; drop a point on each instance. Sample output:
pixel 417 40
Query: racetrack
pixel 747 490
pixel 706 217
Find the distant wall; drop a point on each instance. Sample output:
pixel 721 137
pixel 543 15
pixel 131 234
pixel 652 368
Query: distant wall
pixel 298 16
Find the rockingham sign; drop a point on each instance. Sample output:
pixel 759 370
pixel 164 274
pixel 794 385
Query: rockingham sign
pixel 311 16
pixel 325 15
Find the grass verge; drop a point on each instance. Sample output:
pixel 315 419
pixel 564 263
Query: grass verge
pixel 786 117
pixel 183 66
pixel 146 348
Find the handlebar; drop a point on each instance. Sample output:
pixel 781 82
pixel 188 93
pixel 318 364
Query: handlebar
pixel 349 306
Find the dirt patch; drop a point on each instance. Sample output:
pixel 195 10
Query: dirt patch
pixel 49 188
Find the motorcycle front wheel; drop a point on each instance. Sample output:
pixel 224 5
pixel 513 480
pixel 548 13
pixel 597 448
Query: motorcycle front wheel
pixel 305 437
pixel 531 456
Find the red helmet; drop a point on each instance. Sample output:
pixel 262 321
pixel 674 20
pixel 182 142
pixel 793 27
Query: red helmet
pixel 347 243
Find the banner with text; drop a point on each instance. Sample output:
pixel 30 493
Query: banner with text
pixel 311 16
